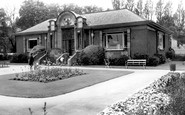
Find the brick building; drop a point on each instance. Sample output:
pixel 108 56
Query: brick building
pixel 118 31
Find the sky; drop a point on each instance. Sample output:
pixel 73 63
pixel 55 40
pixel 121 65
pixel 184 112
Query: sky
pixel 9 5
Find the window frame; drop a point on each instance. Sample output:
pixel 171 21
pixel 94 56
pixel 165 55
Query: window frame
pixel 122 44
pixel 31 39
pixel 161 41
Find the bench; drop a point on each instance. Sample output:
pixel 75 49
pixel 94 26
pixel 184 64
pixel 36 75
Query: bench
pixel 4 63
pixel 136 62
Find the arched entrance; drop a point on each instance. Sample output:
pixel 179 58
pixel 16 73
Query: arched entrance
pixel 68 40
pixel 66 33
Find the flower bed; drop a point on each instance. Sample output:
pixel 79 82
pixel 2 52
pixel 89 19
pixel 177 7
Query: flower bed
pixel 47 75
pixel 166 96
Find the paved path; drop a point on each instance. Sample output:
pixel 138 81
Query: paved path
pixel 87 101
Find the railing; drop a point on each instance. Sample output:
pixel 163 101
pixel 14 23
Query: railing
pixel 73 59
pixel 65 57
pixel 42 54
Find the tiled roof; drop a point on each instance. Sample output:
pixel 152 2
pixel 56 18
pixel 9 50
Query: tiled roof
pixel 112 17
pixel 41 27
pixel 95 19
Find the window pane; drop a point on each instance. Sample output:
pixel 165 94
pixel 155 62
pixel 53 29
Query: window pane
pixel 160 43
pixel 32 43
pixel 115 41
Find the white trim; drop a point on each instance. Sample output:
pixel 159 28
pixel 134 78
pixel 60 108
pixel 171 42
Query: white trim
pixel 160 39
pixel 123 40
pixel 30 39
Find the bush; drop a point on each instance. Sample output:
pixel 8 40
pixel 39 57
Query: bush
pixel 4 57
pixel 153 61
pixel 19 58
pixel 162 58
pixel 170 54
pixel 92 55
pixel 140 56
pixel 119 61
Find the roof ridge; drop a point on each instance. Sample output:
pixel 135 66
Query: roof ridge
pixel 105 11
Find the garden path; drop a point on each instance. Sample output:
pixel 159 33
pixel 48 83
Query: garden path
pixel 87 101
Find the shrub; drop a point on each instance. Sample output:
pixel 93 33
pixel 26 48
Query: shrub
pixel 173 85
pixel 19 58
pixel 119 61
pixel 153 61
pixel 92 55
pixel 170 54
pixel 4 57
pixel 140 56
pixel 162 58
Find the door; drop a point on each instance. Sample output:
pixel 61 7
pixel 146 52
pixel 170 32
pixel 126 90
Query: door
pixel 68 40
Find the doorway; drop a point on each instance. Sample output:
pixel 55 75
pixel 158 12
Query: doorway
pixel 68 40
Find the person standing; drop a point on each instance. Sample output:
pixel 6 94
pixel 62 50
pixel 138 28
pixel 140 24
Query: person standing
pixel 30 61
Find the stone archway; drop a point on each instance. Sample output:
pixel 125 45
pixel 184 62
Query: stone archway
pixel 66 33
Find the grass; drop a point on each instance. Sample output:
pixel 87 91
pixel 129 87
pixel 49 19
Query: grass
pixel 40 90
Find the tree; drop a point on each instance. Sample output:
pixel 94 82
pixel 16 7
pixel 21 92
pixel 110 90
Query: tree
pixel 53 11
pixel 179 17
pixel 179 20
pixel 130 5
pixel 148 10
pixel 31 13
pixel 168 9
pixel 159 10
pixel 118 4
pixel 91 9
pixel 140 7
pixel 3 31
pixel 12 29
pixel 72 7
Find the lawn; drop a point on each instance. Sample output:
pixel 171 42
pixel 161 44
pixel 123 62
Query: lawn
pixel 40 90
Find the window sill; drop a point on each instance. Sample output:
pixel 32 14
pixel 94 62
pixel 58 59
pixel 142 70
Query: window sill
pixel 124 49
pixel 160 49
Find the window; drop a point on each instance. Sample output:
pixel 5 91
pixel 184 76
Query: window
pixel 161 41
pixel 116 41
pixel 31 43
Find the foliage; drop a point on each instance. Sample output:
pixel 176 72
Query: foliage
pixel 173 85
pixel 170 54
pixel 4 30
pixel 140 7
pixel 148 10
pixel 118 4
pixel 47 75
pixel 72 7
pixel 159 10
pixel 92 55
pixel 179 58
pixel 19 58
pixel 162 58
pixel 91 9
pixel 5 57
pixel 31 13
pixel 140 56
pixel 53 10
pixel 119 60
pixel 153 61
pixel 164 96
pixel 129 5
